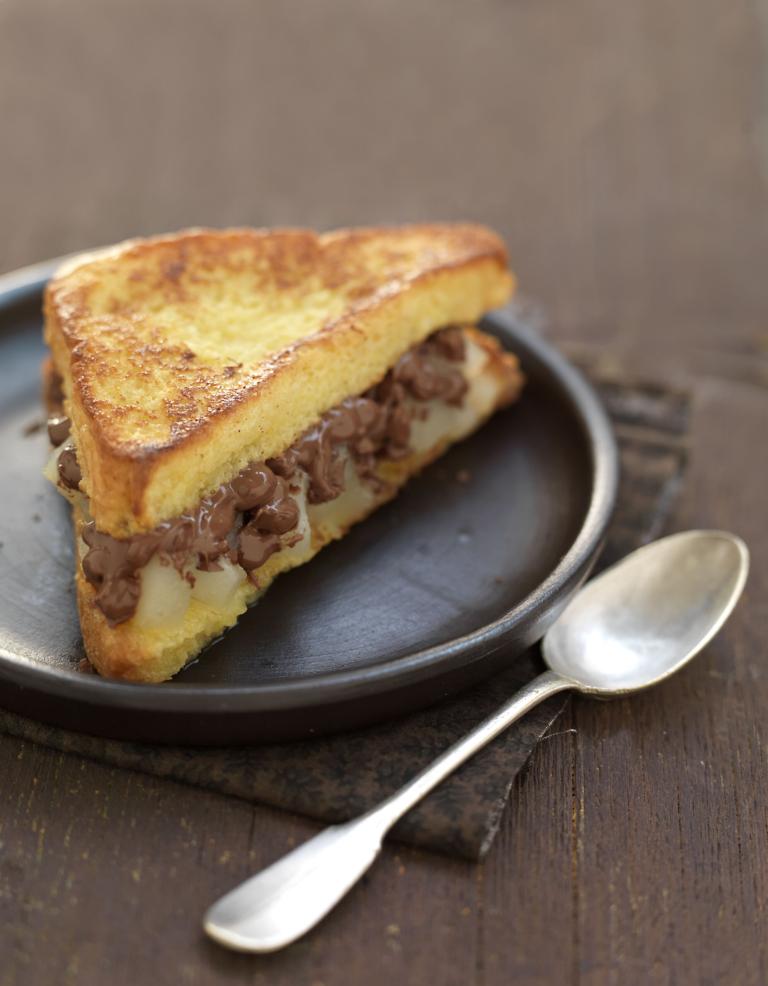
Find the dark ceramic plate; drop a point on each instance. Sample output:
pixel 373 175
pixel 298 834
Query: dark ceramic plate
pixel 438 589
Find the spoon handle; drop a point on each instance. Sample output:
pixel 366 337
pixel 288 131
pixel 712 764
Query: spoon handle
pixel 282 902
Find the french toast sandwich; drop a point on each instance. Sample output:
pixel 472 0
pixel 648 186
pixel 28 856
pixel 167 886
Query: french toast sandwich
pixel 224 403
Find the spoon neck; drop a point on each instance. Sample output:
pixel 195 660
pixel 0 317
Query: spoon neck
pixel 546 684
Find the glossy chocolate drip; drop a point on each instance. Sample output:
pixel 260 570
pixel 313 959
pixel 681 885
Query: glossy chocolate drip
pixel 245 519
pixel 423 374
pixel 112 567
pixel 69 469
pixel 59 427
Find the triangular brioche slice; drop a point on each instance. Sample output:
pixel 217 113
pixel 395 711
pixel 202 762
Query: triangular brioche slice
pixel 186 359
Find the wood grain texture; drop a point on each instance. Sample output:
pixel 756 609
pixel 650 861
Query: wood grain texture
pixel 621 149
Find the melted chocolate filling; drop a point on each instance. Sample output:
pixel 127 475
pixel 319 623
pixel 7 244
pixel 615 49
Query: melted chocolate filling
pixel 69 469
pixel 58 429
pixel 245 519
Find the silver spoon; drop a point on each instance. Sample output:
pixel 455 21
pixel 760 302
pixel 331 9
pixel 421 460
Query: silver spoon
pixel 632 627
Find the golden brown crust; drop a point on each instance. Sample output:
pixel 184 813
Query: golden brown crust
pixel 186 356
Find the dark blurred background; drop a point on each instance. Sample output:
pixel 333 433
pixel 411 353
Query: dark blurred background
pixel 621 148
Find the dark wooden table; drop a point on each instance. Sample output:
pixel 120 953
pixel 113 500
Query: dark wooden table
pixel 622 149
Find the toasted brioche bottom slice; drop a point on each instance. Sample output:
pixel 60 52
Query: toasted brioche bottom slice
pixel 185 357
pixel 135 653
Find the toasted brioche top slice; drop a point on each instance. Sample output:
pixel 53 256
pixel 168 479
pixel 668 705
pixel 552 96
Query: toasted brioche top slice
pixel 184 357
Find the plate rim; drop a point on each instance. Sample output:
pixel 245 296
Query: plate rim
pixel 20 285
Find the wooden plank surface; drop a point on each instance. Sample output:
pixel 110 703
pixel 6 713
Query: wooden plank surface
pixel 622 149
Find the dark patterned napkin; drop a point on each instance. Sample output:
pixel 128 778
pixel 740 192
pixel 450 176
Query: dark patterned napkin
pixel 334 778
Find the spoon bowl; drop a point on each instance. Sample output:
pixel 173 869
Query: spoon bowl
pixel 644 618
